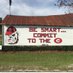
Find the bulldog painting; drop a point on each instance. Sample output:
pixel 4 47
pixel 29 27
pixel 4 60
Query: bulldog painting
pixel 12 35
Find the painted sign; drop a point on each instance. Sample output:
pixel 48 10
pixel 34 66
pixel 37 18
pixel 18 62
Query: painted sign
pixel 38 35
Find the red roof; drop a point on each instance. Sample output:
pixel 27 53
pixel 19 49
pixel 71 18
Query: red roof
pixel 54 20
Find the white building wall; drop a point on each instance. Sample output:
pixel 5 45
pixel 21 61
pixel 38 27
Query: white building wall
pixel 33 36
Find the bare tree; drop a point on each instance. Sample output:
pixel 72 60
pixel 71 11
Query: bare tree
pixel 66 3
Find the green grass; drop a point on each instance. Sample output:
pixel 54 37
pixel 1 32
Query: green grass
pixel 0 42
pixel 45 61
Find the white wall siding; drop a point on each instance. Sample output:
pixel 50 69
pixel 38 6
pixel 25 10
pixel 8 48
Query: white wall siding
pixel 42 35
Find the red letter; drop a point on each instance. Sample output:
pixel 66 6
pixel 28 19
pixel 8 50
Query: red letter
pixel 32 29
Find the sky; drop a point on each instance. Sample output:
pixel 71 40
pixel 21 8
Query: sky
pixel 31 8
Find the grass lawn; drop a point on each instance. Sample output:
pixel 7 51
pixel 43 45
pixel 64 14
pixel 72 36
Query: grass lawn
pixel 0 42
pixel 40 61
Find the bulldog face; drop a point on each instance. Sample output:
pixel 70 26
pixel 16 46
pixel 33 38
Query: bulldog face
pixel 12 35
pixel 13 38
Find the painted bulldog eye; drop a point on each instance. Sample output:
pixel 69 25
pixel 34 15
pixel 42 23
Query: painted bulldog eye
pixel 15 38
pixel 13 35
pixel 10 37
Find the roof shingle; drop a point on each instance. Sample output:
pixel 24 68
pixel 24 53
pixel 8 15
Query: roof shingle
pixel 55 20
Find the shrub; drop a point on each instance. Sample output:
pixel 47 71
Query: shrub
pixel 37 48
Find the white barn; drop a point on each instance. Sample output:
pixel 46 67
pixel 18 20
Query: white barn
pixel 56 30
